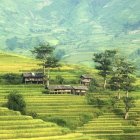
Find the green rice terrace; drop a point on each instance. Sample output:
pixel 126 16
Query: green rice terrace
pixel 62 116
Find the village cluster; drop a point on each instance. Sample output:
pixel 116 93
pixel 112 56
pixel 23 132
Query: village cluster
pixel 38 78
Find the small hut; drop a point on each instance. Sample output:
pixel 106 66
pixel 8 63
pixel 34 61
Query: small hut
pixel 58 89
pixel 85 79
pixel 79 90
pixel 36 78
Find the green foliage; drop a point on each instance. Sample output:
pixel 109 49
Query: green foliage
pixel 104 61
pixel 133 122
pixel 92 100
pixel 33 114
pixel 51 62
pixel 129 103
pixel 11 78
pixel 113 102
pixel 115 83
pixel 128 83
pixel 59 79
pixel 86 117
pixel 118 111
pixel 16 102
pixel 122 75
pixel 94 86
pixel 58 121
pixel 43 51
pixel 46 91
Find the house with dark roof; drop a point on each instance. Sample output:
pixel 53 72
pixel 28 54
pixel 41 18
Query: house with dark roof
pixel 36 78
pixel 79 90
pixel 61 89
pixel 85 79
pixel 58 89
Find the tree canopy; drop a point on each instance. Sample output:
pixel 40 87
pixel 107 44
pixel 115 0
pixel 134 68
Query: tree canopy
pixel 103 62
pixel 16 102
pixel 43 51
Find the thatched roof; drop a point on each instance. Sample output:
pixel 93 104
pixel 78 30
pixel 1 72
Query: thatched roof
pixel 86 76
pixel 59 87
pixel 66 87
pixel 80 88
pixel 33 75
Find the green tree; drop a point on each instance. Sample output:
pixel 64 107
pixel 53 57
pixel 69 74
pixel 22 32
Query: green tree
pixel 128 80
pixel 42 52
pixel 116 80
pixel 16 102
pixel 122 78
pixel 12 78
pixel 51 62
pixel 104 61
pixel 59 79
pixel 113 102
pixel 94 86
pixel 129 103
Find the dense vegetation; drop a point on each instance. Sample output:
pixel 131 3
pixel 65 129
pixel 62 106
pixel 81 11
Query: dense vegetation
pixel 16 102
pixel 80 29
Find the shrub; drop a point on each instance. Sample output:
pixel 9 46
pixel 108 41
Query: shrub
pixel 65 131
pixel 94 86
pixel 11 78
pixel 59 79
pixel 74 81
pixel 113 102
pixel 16 102
pixel 133 122
pixel 46 91
pixel 119 111
pixel 33 114
pixel 58 121
pixel 86 117
pixel 92 100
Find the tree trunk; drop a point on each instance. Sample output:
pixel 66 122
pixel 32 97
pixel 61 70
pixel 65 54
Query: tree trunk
pixel 43 69
pixel 126 116
pixel 119 96
pixel 48 76
pixel 104 83
pixel 44 73
pixel 127 93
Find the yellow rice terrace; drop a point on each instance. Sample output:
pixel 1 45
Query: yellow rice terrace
pixel 67 102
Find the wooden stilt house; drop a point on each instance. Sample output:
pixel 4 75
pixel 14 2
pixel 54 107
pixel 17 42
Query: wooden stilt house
pixel 85 79
pixel 79 90
pixel 61 89
pixel 35 78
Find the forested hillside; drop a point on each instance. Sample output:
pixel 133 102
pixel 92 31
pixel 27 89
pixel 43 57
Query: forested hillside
pixel 74 26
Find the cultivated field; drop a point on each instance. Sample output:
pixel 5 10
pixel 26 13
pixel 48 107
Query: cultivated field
pixel 61 116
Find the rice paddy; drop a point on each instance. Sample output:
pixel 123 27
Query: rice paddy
pixel 55 113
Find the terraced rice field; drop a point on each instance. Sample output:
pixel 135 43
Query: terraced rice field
pixel 67 107
pixel 64 106
pixel 110 125
pixel 13 125
pixel 113 127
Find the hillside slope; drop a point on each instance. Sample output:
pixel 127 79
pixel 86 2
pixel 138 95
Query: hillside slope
pixel 74 25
